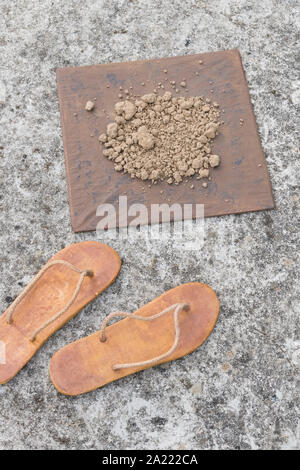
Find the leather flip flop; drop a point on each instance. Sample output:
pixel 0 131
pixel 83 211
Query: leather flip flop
pixel 71 279
pixel 169 327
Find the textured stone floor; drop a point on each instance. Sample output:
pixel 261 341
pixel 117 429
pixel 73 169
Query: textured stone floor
pixel 240 389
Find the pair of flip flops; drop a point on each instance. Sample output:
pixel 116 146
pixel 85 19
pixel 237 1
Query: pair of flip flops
pixel 169 327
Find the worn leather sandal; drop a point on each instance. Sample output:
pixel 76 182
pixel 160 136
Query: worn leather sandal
pixel 169 327
pixel 70 280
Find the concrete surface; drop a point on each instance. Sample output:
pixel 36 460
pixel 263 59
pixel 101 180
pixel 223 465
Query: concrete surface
pixel 240 389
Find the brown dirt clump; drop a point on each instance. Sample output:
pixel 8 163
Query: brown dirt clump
pixel 163 137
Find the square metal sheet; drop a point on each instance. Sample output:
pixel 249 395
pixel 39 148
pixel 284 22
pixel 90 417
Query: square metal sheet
pixel 240 184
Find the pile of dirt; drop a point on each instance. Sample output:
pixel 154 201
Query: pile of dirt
pixel 163 137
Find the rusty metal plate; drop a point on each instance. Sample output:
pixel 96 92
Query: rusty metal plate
pixel 240 184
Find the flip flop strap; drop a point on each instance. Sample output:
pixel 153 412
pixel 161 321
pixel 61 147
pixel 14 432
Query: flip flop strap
pixel 11 309
pixel 178 308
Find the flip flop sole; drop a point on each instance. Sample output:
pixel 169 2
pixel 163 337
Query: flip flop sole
pixel 49 295
pixel 87 364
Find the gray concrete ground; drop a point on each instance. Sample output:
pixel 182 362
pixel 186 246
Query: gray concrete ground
pixel 240 389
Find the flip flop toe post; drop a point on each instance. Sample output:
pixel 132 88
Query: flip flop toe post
pixel 169 327
pixel 69 281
